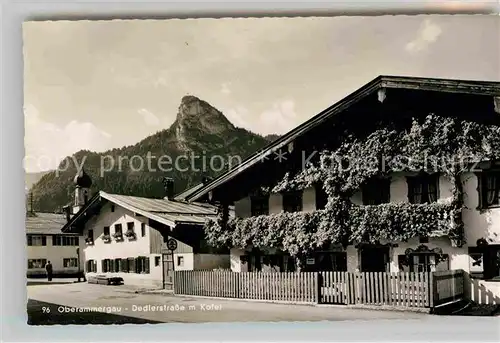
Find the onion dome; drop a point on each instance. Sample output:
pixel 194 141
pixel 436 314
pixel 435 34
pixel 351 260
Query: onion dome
pixel 82 179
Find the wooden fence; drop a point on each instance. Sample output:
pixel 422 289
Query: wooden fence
pixel 287 287
pixel 393 289
pixel 423 290
pixel 447 286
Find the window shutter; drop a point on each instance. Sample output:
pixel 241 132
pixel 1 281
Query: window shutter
pixel 146 265
pixel 137 265
pixel 103 266
pixel 411 194
pixel 94 263
pixel 131 265
pixel 124 265
pixel 44 240
pixel 30 240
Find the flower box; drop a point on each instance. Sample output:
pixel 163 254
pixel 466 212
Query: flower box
pixel 89 241
pixel 118 237
pixel 106 238
pixel 130 235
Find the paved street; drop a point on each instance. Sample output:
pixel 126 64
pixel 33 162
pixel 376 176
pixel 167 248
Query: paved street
pixel 50 304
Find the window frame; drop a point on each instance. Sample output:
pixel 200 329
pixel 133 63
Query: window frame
pixel 370 191
pixel 43 262
pixel 180 261
pixel 292 201
pixel 41 238
pixel 482 192
pixel 259 205
pixel 424 180
pixel 490 259
pixel 70 264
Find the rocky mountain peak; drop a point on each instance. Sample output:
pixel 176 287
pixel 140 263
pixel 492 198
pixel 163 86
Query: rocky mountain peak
pixel 197 115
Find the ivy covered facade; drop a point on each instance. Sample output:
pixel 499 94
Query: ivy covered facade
pixel 399 176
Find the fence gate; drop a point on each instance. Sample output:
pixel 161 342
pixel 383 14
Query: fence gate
pixel 168 270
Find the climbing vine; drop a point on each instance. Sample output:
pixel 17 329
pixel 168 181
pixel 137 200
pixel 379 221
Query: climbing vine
pixel 432 145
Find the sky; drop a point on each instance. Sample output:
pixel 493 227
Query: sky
pixel 99 85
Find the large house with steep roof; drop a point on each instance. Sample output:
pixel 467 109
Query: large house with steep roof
pixel 402 220
pixel 126 236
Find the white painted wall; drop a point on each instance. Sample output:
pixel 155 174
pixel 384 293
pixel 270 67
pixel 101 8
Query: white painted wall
pixel 54 254
pixel 124 249
pixel 236 265
pixel 188 263
pixel 478 224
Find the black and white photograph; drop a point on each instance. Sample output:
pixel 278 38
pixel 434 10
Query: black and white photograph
pixel 280 169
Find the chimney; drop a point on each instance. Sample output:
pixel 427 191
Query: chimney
pixel 168 184
pixel 67 210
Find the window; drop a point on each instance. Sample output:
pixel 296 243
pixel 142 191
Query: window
pixel 423 188
pixel 91 266
pixel 292 201
pixel 259 205
pixel 106 231
pixel 489 189
pixel 421 263
pixel 142 265
pixel 70 262
pixel 130 230
pixel 157 261
pixel 112 208
pixel 124 265
pixel 118 230
pixel 108 265
pixel 37 263
pixel 117 265
pixel 64 240
pixel 180 261
pixel 143 229
pixel 376 192
pixel 321 197
pixel 485 261
pixel 37 240
pixel 90 236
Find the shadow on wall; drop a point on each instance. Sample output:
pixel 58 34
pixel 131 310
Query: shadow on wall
pixel 483 292
pixel 481 223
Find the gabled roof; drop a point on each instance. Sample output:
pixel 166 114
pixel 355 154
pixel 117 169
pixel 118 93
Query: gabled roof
pixel 188 192
pixel 488 88
pixel 168 212
pixel 45 223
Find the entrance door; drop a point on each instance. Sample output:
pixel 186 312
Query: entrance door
pixel 374 259
pixel 168 270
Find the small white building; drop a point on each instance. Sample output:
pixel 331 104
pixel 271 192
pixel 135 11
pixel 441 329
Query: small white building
pixel 125 236
pixel 46 242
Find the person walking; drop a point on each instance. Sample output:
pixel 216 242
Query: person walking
pixel 48 268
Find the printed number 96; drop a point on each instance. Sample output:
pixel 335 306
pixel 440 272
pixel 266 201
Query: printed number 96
pixel 46 309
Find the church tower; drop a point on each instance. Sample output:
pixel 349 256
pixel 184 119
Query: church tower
pixel 82 191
